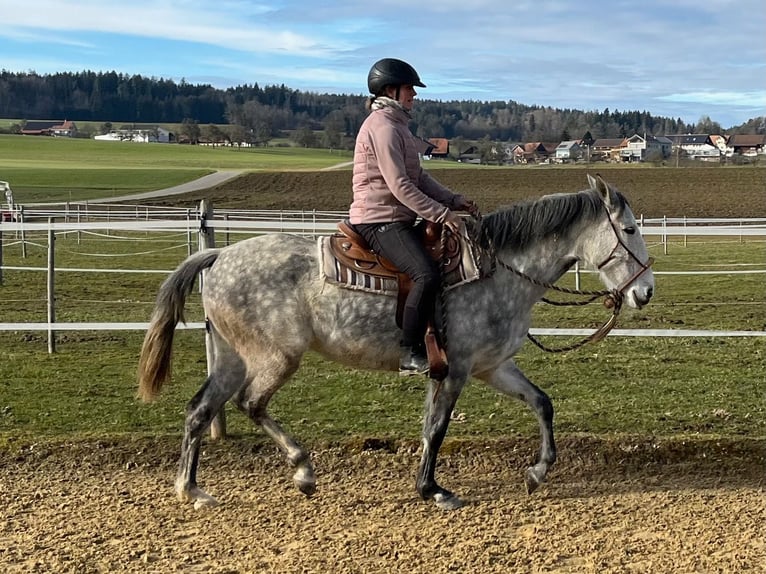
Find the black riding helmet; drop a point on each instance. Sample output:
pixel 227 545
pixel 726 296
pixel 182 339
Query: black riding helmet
pixel 391 72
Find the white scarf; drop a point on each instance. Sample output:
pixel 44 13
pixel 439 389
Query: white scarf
pixel 381 102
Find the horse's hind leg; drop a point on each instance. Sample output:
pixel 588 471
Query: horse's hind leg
pixel 226 378
pixel 253 400
pixel 509 379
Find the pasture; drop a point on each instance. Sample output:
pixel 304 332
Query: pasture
pixel 62 169
pixel 661 440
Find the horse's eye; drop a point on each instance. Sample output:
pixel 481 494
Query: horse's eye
pixel 630 230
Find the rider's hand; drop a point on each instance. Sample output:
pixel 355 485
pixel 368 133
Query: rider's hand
pixel 453 222
pixel 463 204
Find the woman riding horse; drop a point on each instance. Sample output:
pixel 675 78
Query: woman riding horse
pixel 391 191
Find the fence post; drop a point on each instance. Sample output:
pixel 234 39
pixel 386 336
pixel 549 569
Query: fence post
pixel 51 287
pixel 686 233
pixel 23 233
pixel 206 240
pixel 188 233
pixel 665 234
pixel 577 275
pixel 1 256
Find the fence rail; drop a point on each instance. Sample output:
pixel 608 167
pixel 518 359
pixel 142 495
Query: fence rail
pixel 83 218
pixel 325 224
pixel 196 325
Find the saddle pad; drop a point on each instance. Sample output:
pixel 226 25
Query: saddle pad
pixel 335 272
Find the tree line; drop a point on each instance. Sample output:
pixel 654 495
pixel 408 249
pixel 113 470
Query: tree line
pixel 258 114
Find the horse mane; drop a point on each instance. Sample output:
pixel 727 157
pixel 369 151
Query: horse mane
pixel 528 221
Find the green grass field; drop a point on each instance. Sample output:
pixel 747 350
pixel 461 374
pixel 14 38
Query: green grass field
pixel 63 169
pixel 665 387
pixel 647 386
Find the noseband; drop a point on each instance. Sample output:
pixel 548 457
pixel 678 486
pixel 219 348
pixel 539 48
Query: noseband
pixel 644 267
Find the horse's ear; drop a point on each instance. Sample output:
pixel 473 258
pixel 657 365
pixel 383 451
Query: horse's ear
pixel 602 187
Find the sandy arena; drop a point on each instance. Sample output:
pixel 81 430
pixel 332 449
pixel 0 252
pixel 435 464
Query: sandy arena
pixel 627 505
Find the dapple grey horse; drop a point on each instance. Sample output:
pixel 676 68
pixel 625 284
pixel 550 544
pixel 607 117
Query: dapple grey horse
pixel 267 304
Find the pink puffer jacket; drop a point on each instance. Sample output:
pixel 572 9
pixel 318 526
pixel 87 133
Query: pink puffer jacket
pixel 388 182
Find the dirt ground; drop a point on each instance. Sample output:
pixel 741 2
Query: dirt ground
pixel 627 505
pixel 691 192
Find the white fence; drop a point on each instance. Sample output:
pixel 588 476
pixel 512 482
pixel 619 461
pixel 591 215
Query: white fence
pixel 83 218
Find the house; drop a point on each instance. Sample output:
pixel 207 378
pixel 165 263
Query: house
pixel 569 150
pixel 649 147
pixel 516 153
pixel 139 134
pixel 747 145
pixel 440 147
pixel 696 146
pixel 606 149
pixel 503 153
pixel 719 142
pixel 56 128
pixel 535 152
pixel 470 155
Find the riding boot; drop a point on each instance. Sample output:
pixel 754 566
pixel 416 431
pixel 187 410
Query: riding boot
pixel 412 362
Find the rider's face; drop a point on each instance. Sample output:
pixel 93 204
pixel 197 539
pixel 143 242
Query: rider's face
pixel 406 97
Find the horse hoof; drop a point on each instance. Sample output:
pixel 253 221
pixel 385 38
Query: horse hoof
pixel 208 502
pixel 448 501
pixel 305 481
pixel 307 488
pixel 202 499
pixel 533 479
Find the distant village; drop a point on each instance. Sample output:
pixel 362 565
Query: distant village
pixel 635 148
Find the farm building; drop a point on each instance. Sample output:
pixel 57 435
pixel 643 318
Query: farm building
pixel 56 128
pixel 470 155
pixel 747 145
pixel 440 147
pixel 139 134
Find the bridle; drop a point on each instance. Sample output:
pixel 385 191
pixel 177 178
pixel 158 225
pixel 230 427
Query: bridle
pixel 613 298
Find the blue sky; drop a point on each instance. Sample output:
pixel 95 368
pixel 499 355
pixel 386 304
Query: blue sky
pixel 675 58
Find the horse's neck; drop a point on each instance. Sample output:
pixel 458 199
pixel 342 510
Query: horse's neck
pixel 545 262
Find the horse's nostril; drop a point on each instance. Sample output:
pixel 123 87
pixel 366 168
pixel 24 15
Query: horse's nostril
pixel 649 293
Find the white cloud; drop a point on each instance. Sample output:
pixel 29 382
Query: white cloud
pixel 748 99
pixel 235 27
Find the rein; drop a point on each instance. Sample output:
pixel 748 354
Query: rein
pixel 613 301
pixel 613 298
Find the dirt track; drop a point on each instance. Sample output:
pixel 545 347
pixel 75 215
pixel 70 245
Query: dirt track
pixel 632 505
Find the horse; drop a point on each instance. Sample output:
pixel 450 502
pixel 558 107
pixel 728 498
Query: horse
pixel 266 305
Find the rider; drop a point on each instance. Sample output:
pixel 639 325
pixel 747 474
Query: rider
pixel 391 191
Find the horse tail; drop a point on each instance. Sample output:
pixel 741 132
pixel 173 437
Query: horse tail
pixel 154 362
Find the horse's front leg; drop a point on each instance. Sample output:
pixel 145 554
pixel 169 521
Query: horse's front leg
pixel 509 379
pixel 439 404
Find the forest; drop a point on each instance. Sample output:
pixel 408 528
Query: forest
pixel 270 111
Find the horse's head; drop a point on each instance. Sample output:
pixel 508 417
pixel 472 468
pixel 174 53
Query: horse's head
pixel 617 249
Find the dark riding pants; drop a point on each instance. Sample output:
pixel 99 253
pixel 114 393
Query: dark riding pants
pixel 401 243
